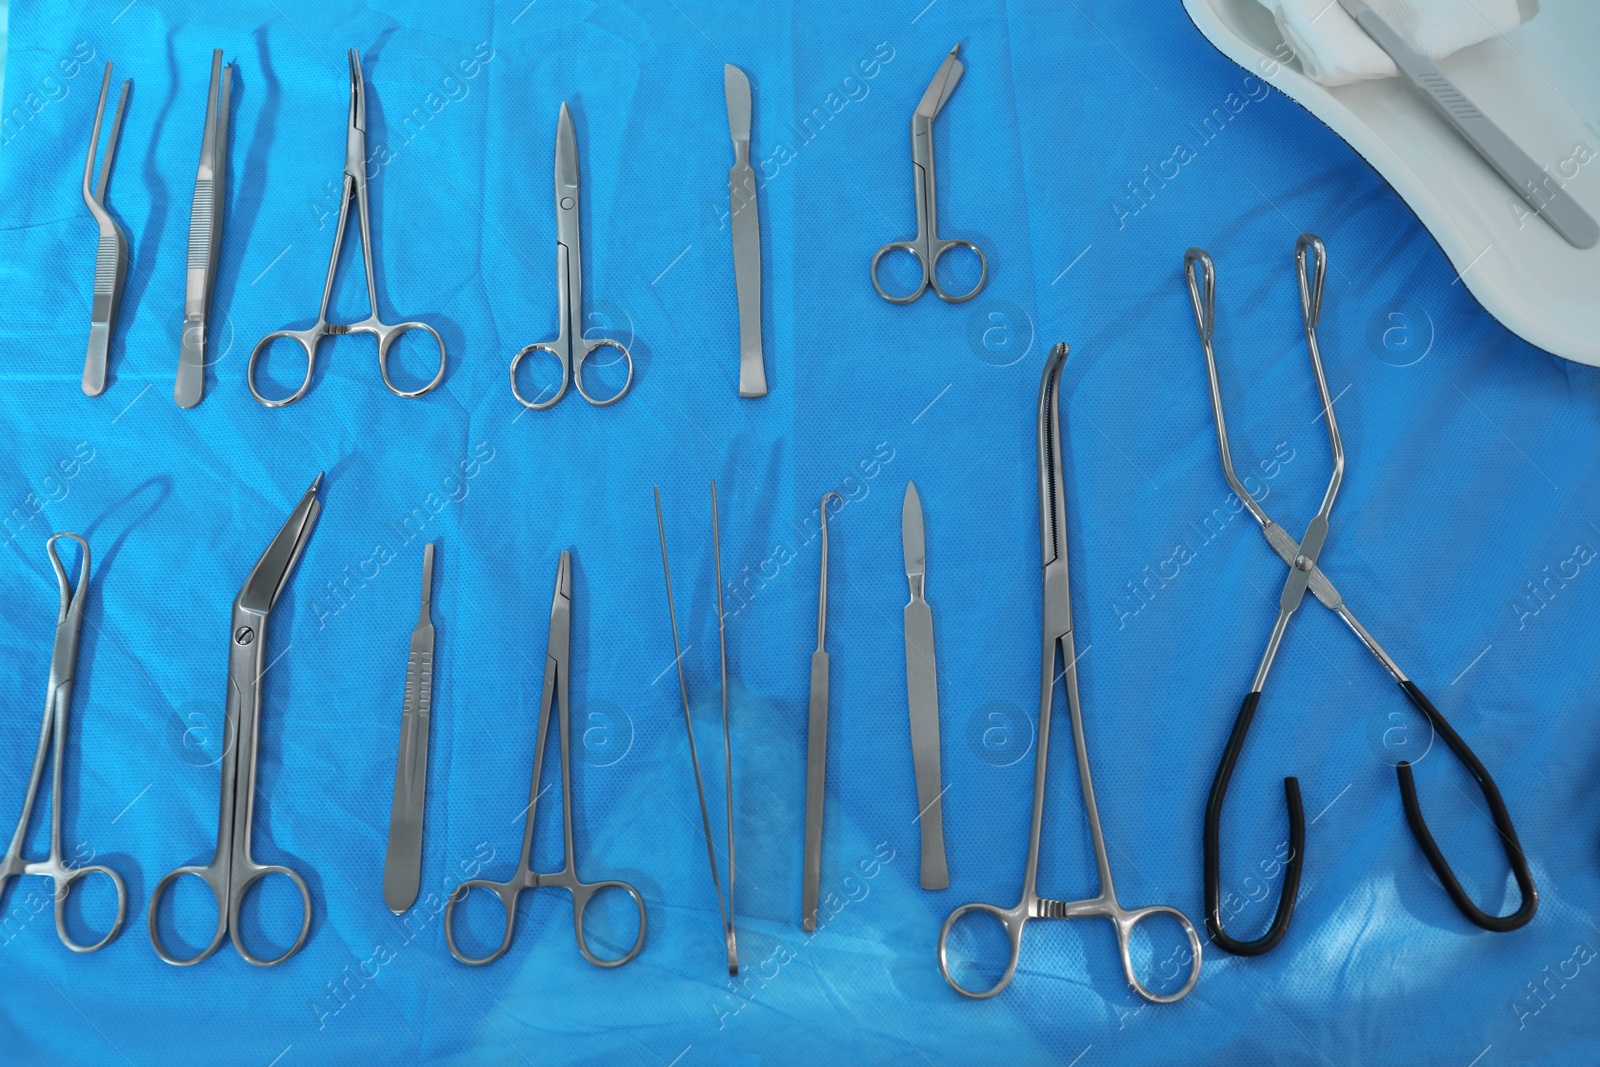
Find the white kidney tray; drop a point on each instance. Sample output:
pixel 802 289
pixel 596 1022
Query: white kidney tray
pixel 1541 84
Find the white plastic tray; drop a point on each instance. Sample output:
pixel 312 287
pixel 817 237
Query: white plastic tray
pixel 1541 83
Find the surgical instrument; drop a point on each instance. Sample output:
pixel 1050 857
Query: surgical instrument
pixel 927 246
pixel 111 254
pixel 571 348
pixel 725 909
pixel 355 189
pixel 744 222
pixel 557 689
pixel 402 863
pixel 205 236
pixel 1541 190
pixel 1058 635
pixel 1311 264
pixel 232 870
pixel 922 693
pixel 817 742
pixel 53 742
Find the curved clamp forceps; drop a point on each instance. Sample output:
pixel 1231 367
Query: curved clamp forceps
pixel 1058 635
pixel 53 738
pixel 570 348
pixel 1311 265
pixel 232 870
pixel 557 687
pixel 927 245
pixel 355 188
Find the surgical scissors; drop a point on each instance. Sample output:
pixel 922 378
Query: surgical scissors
pixel 1058 635
pixel 1311 265
pixel 355 188
pixel 570 348
pixel 927 245
pixel 232 870
pixel 53 739
pixel 557 687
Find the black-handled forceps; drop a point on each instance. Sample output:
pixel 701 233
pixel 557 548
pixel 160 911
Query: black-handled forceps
pixel 53 739
pixel 1311 264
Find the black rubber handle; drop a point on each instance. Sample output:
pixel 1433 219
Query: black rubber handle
pixel 1497 810
pixel 1213 848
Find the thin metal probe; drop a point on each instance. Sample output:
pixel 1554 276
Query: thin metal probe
pixel 688 726
pixel 727 736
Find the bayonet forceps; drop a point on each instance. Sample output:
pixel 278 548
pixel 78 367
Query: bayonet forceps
pixel 927 246
pixel 53 740
pixel 1058 635
pixel 557 689
pixel 232 870
pixel 1311 264
pixel 355 188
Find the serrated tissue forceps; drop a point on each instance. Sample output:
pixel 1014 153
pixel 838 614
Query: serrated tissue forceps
pixel 111 253
pixel 53 741
pixel 1058 635
pixel 1311 265
pixel 205 236
pixel 355 188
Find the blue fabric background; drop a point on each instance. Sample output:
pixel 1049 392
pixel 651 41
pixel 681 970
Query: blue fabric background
pixel 1472 473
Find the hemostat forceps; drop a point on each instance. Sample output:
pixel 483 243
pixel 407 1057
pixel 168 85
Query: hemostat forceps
pixel 53 739
pixel 1058 634
pixel 557 689
pixel 1311 263
pixel 355 189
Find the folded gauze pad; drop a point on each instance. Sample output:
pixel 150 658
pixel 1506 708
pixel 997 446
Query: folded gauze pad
pixel 1333 50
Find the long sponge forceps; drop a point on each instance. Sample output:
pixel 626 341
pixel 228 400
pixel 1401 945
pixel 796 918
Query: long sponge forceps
pixel 53 742
pixel 111 254
pixel 1305 573
pixel 724 906
pixel 1059 640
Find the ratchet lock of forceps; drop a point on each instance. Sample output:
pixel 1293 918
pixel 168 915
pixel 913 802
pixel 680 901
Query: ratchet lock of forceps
pixel 1311 262
pixel 1058 636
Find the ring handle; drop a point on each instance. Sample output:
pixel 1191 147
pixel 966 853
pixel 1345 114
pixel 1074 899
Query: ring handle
pixel 901 246
pixel 566 376
pixel 386 336
pixel 64 880
pixel 944 246
pixel 211 876
pixel 584 892
pixel 1011 920
pixel 236 902
pixel 1127 920
pixel 577 371
pixel 506 891
pixel 308 340
pixel 1201 274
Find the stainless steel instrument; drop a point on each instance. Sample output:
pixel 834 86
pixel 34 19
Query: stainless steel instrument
pixel 746 227
pixel 922 694
pixel 402 864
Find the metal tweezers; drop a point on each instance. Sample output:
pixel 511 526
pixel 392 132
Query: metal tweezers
pixel 111 254
pixel 205 237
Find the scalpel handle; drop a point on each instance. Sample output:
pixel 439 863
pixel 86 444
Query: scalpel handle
pixel 745 223
pixel 402 865
pixel 922 697
pixel 816 782
pixel 1542 192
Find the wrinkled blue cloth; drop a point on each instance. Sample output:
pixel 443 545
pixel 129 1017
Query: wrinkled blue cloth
pixel 1088 145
